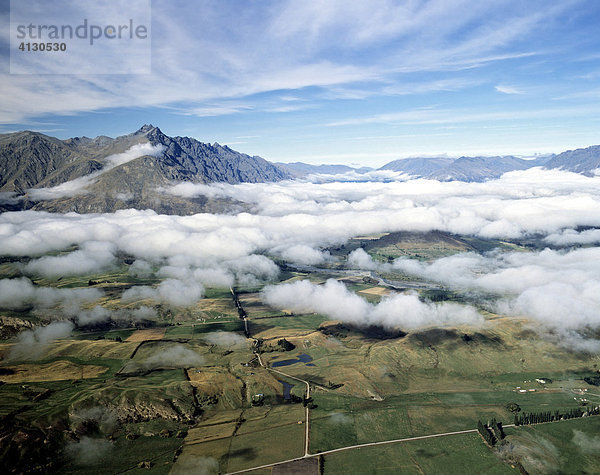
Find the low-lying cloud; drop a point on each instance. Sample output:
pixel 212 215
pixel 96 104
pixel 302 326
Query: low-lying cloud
pixel 93 257
pixel 403 311
pixel 297 220
pixel 175 292
pixel 303 254
pixel 88 450
pixel 31 344
pixel 105 418
pixel 75 304
pixel 195 464
pixel 568 237
pixel 339 418
pixel 176 356
pixel 221 338
pixel 17 294
pixel 589 445
pixel 100 315
pixel 559 289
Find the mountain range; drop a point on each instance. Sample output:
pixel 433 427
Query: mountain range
pixel 299 169
pixel 584 161
pixel 105 174
pixel 31 164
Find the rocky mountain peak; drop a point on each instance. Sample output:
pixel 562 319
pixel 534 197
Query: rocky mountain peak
pixel 145 129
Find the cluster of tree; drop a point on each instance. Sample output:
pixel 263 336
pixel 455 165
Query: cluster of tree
pixel 259 346
pixel 308 402
pixel 285 345
pixel 492 432
pixel 97 282
pixel 593 380
pixel 548 416
pixel 293 399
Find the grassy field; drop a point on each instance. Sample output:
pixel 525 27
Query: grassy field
pixel 457 454
pixel 123 454
pixel 262 435
pixel 571 446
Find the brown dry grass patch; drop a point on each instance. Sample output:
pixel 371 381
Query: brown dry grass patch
pixel 55 371
pixel 380 291
pixel 216 305
pixel 198 435
pixel 212 380
pixel 147 334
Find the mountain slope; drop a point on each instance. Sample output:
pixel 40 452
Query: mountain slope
pixel 192 160
pixel 27 158
pixel 136 184
pixel 90 179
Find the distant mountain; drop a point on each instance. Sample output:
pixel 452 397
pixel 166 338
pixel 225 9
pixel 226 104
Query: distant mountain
pixel 477 169
pixel 582 160
pixel 30 161
pixel 419 167
pixel 299 169
pixel 459 169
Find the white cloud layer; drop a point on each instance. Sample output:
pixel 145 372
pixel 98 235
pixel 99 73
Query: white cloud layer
pixel 519 203
pixel 399 311
pixel 94 256
pixel 296 220
pixel 221 338
pixel 560 289
pixel 20 293
pixel 175 292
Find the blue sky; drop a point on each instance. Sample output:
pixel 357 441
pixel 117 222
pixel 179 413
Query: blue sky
pixel 361 82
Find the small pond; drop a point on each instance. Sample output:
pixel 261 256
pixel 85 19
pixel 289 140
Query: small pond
pixel 302 358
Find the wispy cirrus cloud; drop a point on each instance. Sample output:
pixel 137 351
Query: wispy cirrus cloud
pixel 432 115
pixel 290 46
pixel 508 89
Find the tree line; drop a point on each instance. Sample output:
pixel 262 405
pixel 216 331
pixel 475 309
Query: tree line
pixel 549 416
pixel 493 432
pixel 240 309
